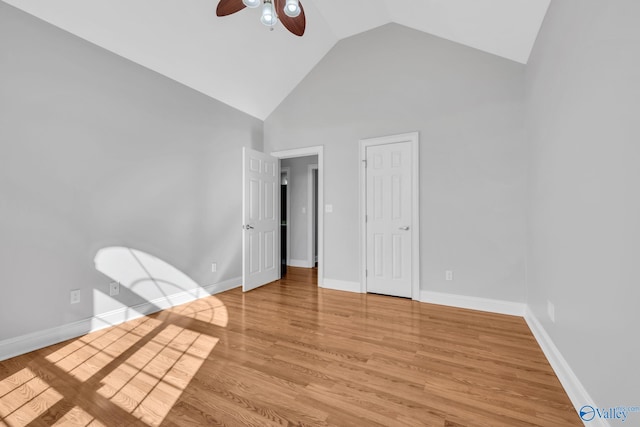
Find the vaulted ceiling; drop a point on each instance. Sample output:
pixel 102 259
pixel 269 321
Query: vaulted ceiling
pixel 238 61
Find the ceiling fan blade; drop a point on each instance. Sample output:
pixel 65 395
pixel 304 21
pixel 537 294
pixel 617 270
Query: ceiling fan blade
pixel 227 7
pixel 295 25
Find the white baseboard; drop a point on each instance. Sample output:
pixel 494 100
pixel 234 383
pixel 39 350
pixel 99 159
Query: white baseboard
pixel 341 285
pixel 300 263
pixel 17 346
pixel 572 385
pixel 474 303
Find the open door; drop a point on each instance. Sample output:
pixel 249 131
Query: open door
pixel 260 219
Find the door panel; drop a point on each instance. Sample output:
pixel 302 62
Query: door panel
pixel 269 248
pixel 259 212
pixel 388 226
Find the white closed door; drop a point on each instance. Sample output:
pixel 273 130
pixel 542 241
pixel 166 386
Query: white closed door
pixel 260 212
pixel 388 219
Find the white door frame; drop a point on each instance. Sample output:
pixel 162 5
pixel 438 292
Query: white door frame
pixel 312 221
pixel 312 151
pixel 414 139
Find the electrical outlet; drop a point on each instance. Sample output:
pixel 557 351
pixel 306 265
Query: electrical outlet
pixel 214 267
pixel 114 288
pixel 449 275
pixel 74 297
pixel 551 311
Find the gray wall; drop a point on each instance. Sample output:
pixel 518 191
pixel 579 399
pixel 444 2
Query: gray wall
pixel 299 191
pixel 584 210
pixel 467 106
pixel 98 151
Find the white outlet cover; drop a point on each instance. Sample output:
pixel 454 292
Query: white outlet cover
pixel 114 288
pixel 328 208
pixel 75 296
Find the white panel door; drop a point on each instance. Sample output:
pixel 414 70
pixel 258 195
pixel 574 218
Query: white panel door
pixel 388 219
pixel 260 212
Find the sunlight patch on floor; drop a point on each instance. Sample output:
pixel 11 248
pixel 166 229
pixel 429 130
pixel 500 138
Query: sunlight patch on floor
pixel 209 310
pixel 142 365
pixel 78 417
pixel 24 396
pixel 149 383
pixel 87 355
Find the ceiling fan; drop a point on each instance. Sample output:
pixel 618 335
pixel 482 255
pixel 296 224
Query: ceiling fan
pixel 292 17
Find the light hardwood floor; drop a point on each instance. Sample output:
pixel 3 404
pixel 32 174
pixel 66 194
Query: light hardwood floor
pixel 292 354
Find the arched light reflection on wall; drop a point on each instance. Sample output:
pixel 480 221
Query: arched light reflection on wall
pixel 149 284
pixel 136 269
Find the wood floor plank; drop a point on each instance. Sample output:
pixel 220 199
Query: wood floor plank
pixel 291 353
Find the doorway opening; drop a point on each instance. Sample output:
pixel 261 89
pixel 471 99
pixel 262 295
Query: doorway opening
pixel 298 213
pixel 313 203
pixel 301 218
pixel 285 214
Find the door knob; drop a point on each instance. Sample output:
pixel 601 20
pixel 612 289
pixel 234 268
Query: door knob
pixel 248 227
pixel 405 228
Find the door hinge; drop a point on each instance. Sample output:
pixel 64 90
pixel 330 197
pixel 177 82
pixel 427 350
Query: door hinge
pixel 365 163
pixel 366 218
pixel 366 273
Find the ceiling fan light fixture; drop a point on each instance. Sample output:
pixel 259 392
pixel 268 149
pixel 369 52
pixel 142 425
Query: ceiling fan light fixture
pixel 292 8
pixel 269 17
pixel 289 12
pixel 251 3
